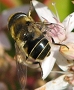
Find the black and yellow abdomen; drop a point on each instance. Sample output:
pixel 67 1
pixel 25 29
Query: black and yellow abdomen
pixel 38 48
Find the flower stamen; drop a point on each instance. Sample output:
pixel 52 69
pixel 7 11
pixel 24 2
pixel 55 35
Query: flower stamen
pixel 56 11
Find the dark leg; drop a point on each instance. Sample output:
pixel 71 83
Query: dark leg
pixel 40 67
pixel 58 43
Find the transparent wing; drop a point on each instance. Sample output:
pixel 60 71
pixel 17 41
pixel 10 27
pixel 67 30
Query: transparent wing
pixel 22 74
pixel 21 69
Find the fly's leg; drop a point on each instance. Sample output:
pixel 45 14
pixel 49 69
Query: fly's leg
pixel 39 66
pixel 41 69
pixel 30 9
pixel 59 43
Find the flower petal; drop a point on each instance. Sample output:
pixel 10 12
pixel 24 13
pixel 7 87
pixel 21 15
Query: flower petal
pixel 69 38
pixel 61 61
pixel 69 22
pixel 68 53
pixel 47 65
pixel 43 12
pixel 57 84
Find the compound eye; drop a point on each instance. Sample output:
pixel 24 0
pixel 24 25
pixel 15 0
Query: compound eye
pixel 15 18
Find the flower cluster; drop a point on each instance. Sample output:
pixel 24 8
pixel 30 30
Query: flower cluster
pixel 62 54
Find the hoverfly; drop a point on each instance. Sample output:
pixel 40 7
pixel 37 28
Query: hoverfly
pixel 31 45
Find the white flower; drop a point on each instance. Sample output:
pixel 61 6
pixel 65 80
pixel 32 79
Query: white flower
pixel 57 84
pixel 68 53
pixel 61 33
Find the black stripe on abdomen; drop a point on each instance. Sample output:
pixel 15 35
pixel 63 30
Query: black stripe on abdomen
pixel 41 49
pixel 45 52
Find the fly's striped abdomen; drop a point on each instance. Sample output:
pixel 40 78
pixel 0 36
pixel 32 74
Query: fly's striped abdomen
pixel 45 52
pixel 38 48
